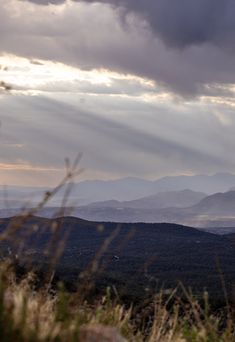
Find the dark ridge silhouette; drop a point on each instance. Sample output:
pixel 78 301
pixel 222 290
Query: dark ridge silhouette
pixel 139 259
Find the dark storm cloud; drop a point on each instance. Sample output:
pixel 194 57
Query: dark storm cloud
pixel 181 22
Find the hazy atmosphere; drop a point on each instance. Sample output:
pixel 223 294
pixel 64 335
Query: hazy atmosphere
pixel 137 94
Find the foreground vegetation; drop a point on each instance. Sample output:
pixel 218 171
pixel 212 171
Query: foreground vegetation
pixel 28 313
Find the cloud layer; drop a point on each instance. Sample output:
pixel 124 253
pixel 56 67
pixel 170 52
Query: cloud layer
pixel 104 78
pixel 182 45
pixel 181 22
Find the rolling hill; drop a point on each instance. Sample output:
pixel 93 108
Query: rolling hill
pixel 220 204
pixel 137 258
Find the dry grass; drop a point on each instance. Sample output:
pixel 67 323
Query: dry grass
pixel 30 315
pixel 27 314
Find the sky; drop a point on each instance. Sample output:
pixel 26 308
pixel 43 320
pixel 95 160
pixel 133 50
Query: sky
pixel 140 88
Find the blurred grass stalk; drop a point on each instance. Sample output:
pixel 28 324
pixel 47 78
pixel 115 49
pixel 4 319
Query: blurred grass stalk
pixel 27 314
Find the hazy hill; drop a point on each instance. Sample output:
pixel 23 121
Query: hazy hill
pixel 178 199
pixel 217 204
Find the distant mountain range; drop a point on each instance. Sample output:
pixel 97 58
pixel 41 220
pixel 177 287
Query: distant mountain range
pixel 217 210
pixel 128 189
pixel 138 200
pixel 178 199
pixel 125 189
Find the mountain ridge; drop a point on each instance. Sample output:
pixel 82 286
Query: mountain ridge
pixel 160 200
pixel 131 188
